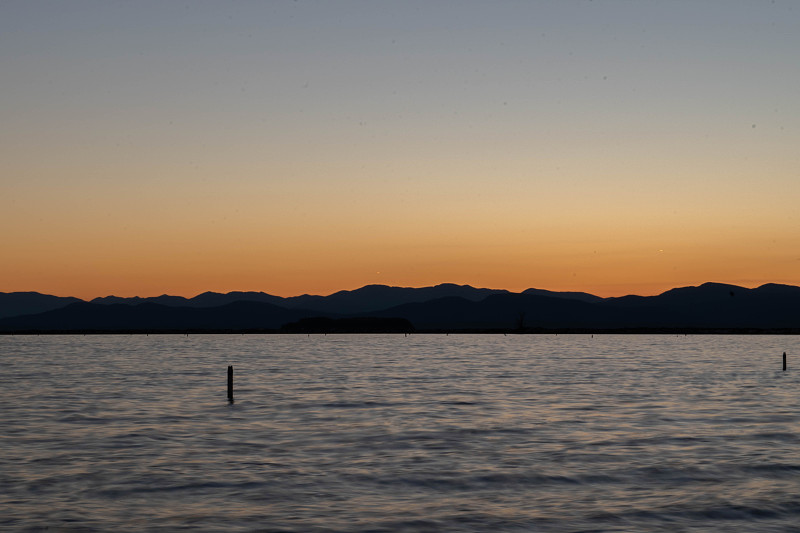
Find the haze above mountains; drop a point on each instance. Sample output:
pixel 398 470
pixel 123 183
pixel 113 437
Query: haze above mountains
pixel 445 307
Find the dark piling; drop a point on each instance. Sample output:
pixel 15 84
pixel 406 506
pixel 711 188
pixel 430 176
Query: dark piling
pixel 230 384
pixel 784 361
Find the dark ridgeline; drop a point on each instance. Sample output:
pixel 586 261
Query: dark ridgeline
pixel 241 315
pixel 29 303
pixel 711 307
pixel 366 299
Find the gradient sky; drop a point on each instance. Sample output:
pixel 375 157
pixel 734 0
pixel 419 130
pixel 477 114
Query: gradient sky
pixel 614 147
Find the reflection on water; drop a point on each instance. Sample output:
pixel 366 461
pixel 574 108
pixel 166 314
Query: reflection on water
pixel 391 433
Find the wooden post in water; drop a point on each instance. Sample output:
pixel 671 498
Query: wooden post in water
pixel 230 384
pixel 784 361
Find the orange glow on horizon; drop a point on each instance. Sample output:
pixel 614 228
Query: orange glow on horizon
pixel 585 148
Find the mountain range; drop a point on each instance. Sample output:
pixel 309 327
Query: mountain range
pixel 445 307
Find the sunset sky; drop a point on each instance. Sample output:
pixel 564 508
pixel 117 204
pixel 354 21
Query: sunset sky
pixel 614 147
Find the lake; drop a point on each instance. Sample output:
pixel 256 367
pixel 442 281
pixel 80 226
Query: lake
pixel 394 433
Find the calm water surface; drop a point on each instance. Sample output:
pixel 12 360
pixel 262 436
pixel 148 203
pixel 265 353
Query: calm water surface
pixel 386 433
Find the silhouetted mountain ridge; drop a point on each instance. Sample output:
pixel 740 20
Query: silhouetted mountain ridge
pixel 149 316
pixel 441 307
pixel 371 298
pixel 26 303
pixel 581 296
pixel 364 299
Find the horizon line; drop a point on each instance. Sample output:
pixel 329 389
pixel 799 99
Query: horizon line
pixel 749 285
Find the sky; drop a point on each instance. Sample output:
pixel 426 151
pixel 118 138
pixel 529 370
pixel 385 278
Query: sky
pixel 290 147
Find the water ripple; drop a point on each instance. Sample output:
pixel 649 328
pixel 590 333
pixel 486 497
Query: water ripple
pixel 387 433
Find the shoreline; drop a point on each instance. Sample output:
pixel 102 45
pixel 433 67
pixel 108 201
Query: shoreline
pixel 464 331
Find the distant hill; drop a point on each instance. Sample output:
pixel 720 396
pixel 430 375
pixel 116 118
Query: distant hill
pixel 150 316
pixel 376 297
pixel 26 303
pixel 442 307
pixel 710 305
pixel 510 312
pixel 581 296
pixel 206 299
pixel 717 305
pixel 366 299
